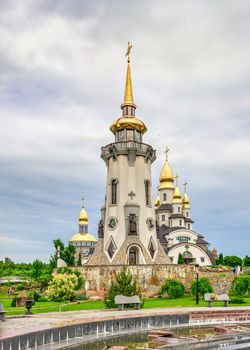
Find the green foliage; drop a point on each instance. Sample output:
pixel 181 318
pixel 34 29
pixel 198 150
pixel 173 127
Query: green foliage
pixel 14 300
pixel 36 295
pixel 43 299
pixel 19 287
pixel 241 286
pixel 80 279
pixel 123 285
pixel 220 260
pixel 204 285
pixel 66 253
pixel 246 260
pixel 237 300
pixel 232 260
pixel 174 289
pixel 180 259
pixel 62 287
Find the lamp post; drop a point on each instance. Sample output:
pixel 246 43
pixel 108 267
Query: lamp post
pixel 197 283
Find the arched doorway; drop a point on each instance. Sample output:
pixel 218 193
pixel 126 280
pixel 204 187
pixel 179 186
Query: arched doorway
pixel 133 256
pixel 188 257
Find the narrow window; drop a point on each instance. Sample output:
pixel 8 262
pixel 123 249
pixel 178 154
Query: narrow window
pixel 202 259
pixel 179 209
pixel 189 226
pixel 164 196
pixel 147 192
pixel 114 191
pixel 187 214
pixel 180 222
pixel 163 217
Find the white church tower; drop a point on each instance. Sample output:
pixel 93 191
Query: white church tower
pixel 127 231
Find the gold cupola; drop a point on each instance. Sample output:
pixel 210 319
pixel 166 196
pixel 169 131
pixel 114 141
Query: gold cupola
pixel 83 217
pixel 157 201
pixel 185 199
pixel 177 194
pixel 167 175
pixel 128 119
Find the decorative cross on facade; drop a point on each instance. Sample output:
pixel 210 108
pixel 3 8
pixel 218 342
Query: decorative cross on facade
pixel 167 150
pixel 176 179
pixel 131 194
pixel 185 186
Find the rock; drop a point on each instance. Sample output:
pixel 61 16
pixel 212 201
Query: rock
pixel 101 294
pixel 95 297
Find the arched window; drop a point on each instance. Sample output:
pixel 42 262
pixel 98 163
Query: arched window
pixel 179 209
pixel 147 192
pixel 114 191
pixel 164 197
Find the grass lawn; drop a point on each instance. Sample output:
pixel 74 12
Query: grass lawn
pixel 43 307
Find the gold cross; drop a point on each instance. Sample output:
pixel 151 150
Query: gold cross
pixel 176 179
pixel 185 186
pixel 82 201
pixel 128 51
pixel 167 150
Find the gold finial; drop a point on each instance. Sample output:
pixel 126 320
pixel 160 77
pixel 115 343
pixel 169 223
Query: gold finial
pixel 128 95
pixel 128 51
pixel 185 186
pixel 176 179
pixel 167 150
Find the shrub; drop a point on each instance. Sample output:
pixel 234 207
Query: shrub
pixel 123 285
pixel 174 289
pixel 220 259
pixel 246 260
pixel 237 300
pixel 80 279
pixel 20 287
pixel 80 297
pixel 62 287
pixel 36 295
pixel 241 286
pixel 204 286
pixel 42 299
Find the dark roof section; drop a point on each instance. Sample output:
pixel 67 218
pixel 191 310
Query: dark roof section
pixel 177 216
pixel 201 241
pixel 188 220
pixel 164 207
pixel 161 233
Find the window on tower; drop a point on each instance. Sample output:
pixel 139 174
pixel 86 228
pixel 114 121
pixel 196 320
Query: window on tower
pixel 180 222
pixel 187 214
pixel 114 191
pixel 163 217
pixel 179 209
pixel 147 192
pixel 164 196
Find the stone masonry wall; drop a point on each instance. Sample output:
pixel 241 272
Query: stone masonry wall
pixel 151 277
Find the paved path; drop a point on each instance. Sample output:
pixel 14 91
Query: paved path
pixel 18 326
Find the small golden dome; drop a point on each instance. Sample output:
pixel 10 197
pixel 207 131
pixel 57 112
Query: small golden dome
pixel 83 237
pixel 185 201
pixel 128 122
pixel 166 176
pixel 83 217
pixel 157 201
pixel 177 196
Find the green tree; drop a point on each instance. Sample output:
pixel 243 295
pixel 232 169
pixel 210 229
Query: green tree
pixel 232 260
pixel 247 260
pixel 180 259
pixel 220 259
pixel 174 289
pixel 204 286
pixel 123 285
pixel 241 286
pixel 66 253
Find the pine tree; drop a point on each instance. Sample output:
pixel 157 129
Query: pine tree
pixel 123 285
pixel 180 260
pixel 220 259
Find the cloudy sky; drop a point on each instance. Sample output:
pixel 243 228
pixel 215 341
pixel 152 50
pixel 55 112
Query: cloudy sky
pixel 62 72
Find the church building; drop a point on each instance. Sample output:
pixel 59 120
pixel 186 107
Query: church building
pixel 134 230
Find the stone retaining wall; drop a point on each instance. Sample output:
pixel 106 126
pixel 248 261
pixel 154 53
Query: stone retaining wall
pixel 151 277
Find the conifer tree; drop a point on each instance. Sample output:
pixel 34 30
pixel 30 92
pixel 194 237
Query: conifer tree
pixel 180 260
pixel 123 285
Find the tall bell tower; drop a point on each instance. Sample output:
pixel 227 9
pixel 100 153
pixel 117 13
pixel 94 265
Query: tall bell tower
pixel 128 225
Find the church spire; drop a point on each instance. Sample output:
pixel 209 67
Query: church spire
pixel 128 94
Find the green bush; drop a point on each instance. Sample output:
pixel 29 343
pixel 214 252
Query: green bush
pixel 174 289
pixel 204 286
pixel 42 299
pixel 180 259
pixel 241 286
pixel 80 297
pixel 237 300
pixel 123 285
pixel 14 300
pixel 36 295
pixel 20 287
pixel 232 261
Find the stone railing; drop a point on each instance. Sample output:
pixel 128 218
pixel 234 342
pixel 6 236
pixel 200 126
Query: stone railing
pixel 128 147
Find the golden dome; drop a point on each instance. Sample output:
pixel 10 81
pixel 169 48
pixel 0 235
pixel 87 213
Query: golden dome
pixel 83 217
pixel 166 176
pixel 82 237
pixel 128 122
pixel 177 196
pixel 157 201
pixel 186 201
